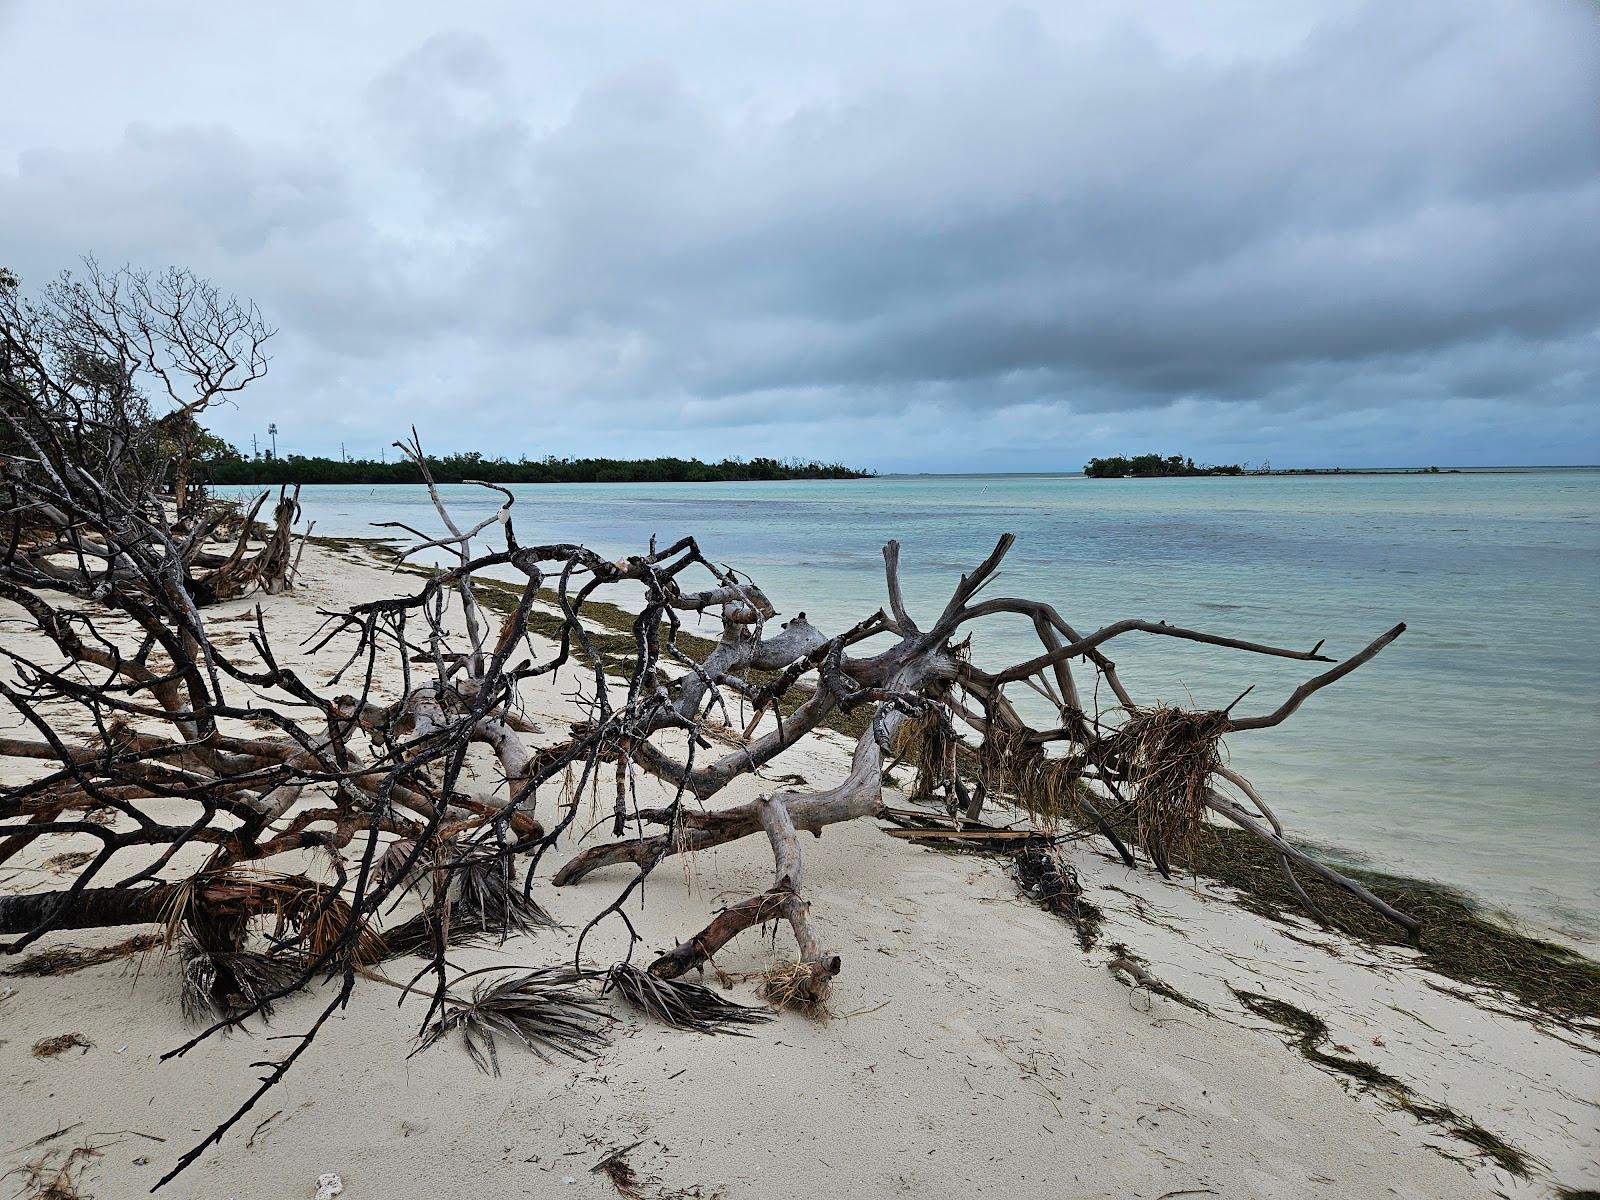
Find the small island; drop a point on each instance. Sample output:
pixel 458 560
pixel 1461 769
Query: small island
pixel 1153 466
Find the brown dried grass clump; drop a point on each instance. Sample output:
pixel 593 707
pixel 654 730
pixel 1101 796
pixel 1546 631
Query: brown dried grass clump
pixel 923 745
pixel 1167 757
pixel 1009 765
pixel 1045 788
pixel 804 987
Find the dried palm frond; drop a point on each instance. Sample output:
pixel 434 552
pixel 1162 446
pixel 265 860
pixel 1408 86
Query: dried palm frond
pixel 391 865
pixel 215 908
pixel 681 1005
pixel 466 924
pixel 482 887
pixel 551 1008
pixel 316 917
pixel 481 898
pixel 214 986
pixel 1167 757
pixel 416 935
pixel 175 910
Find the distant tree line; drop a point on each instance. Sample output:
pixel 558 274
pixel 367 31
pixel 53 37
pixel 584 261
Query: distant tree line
pixel 1153 466
pixel 225 464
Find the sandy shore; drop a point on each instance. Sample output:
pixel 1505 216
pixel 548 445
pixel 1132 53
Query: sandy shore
pixel 974 1049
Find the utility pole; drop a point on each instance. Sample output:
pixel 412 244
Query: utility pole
pixel 342 456
pixel 272 432
pixel 255 448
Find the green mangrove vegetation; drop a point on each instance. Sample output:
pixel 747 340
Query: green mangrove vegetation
pixel 226 464
pixel 1153 466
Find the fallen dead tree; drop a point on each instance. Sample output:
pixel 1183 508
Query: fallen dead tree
pixel 196 770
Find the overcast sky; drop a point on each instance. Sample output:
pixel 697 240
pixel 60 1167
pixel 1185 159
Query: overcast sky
pixel 921 236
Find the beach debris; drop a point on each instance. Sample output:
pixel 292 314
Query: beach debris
pixel 57 1174
pixel 924 825
pixel 53 1047
pixel 615 1167
pixel 551 1009
pixel 249 1142
pixel 1046 878
pixel 63 960
pixel 64 864
pixel 682 1005
pixel 329 1185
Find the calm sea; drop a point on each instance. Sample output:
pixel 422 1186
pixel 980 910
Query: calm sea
pixel 1467 752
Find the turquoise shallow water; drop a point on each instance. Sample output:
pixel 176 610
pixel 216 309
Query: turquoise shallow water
pixel 1467 752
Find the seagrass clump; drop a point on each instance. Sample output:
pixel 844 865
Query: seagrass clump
pixel 924 745
pixel 1045 788
pixel 549 1011
pixel 681 1005
pixel 64 960
pixel 1167 757
pixel 1046 878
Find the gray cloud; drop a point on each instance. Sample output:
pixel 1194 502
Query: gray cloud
pixel 920 238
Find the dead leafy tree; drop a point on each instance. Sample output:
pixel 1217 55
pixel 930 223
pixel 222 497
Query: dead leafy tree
pixel 372 793
pixel 102 381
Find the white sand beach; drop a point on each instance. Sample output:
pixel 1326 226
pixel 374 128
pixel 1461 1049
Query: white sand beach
pixel 972 1048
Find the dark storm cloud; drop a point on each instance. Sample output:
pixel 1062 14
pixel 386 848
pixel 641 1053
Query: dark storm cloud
pixel 922 244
